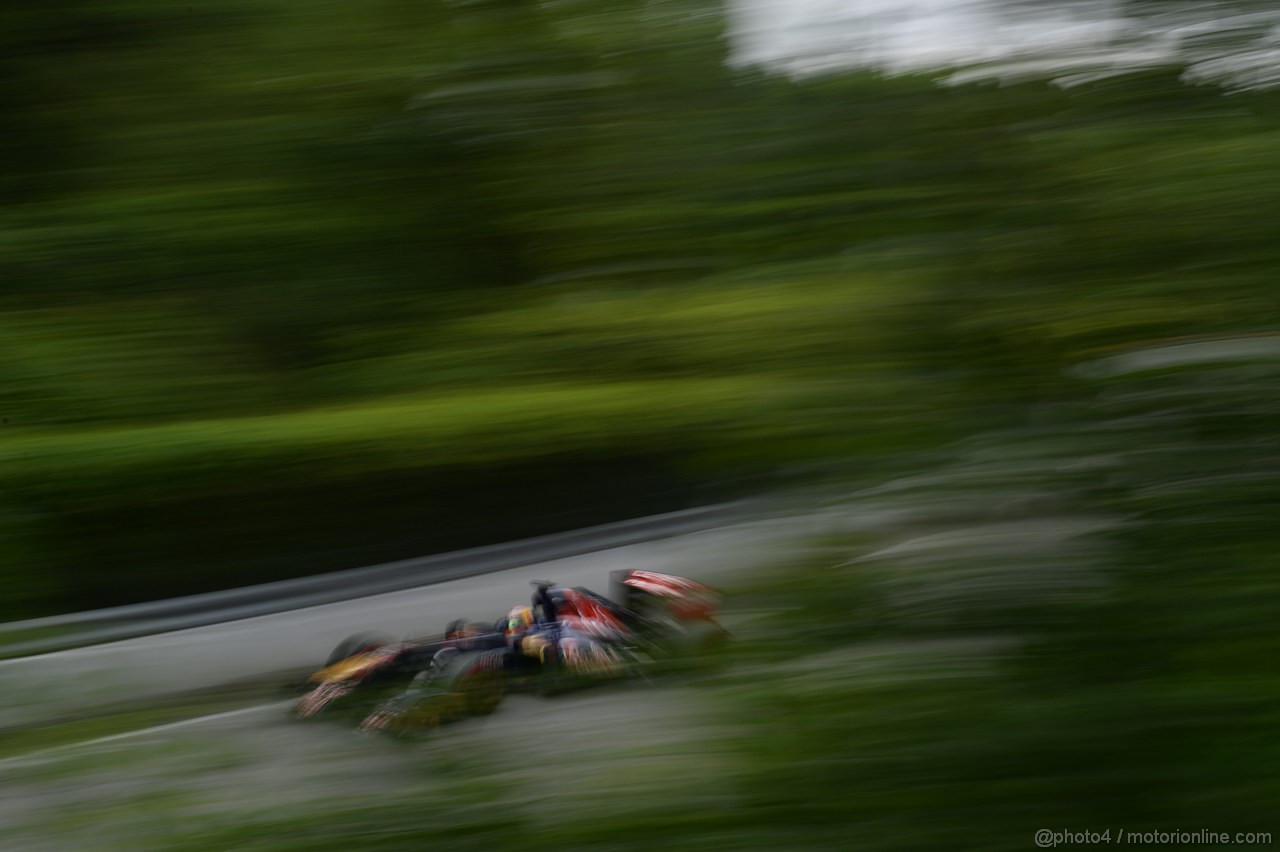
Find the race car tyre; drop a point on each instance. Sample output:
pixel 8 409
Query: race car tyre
pixel 478 680
pixel 356 644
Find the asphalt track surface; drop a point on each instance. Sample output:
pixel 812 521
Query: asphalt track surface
pixel 138 789
pixel 55 685
pixel 180 785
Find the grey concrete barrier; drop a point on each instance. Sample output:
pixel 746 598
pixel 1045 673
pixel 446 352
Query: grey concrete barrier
pixel 59 632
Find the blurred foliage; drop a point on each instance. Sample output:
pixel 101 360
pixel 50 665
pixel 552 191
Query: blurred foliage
pixel 292 287
pixel 1093 652
pixel 1066 626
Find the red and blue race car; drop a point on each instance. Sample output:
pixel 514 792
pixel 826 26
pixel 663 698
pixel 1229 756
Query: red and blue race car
pixel 565 637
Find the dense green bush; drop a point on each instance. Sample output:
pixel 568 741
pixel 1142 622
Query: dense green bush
pixel 377 243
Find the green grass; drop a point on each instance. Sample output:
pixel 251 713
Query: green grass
pixel 126 717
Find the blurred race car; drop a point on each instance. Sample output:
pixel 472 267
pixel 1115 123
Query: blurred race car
pixel 566 637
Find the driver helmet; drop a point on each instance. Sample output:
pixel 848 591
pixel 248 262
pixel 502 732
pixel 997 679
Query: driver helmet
pixel 519 620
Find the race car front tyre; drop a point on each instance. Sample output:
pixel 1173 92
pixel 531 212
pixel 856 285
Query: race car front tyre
pixel 356 644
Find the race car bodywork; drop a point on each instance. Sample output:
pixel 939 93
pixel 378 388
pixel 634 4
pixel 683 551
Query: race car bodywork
pixel 580 637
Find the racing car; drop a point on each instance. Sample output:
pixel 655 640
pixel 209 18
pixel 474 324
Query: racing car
pixel 566 637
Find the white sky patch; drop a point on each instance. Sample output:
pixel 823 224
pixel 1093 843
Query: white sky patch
pixel 994 39
pixel 906 34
